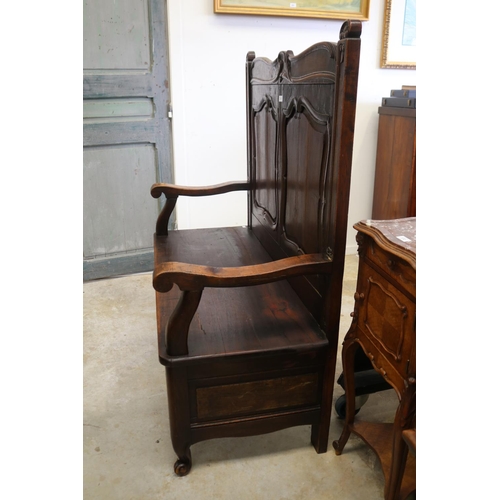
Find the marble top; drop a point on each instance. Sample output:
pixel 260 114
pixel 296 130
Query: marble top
pixel 399 232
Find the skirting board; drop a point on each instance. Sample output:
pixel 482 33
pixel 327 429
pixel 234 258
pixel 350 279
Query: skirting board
pixel 108 267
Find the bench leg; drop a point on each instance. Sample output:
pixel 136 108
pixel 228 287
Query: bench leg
pixel 178 409
pixel 183 465
pixel 319 432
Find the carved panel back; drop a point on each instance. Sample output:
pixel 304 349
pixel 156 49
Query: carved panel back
pixel 305 165
pixel 266 175
pixel 290 122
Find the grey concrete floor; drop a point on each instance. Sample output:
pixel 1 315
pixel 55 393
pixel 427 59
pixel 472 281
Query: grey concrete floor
pixel 127 450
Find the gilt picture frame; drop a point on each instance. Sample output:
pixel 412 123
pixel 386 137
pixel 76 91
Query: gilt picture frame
pixel 399 42
pixel 322 9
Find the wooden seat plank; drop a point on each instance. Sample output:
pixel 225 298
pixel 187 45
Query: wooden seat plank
pixel 233 320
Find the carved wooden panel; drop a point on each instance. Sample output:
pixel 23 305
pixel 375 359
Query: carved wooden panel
pixel 305 168
pixel 291 160
pixel 265 130
pixel 257 396
pixel 291 119
pixel 386 315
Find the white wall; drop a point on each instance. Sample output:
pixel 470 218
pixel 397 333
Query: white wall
pixel 207 69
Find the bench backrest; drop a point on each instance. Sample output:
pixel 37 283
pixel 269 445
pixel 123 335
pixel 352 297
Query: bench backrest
pixel 300 125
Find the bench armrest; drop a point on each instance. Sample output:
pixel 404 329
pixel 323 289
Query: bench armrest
pixel 172 192
pixel 191 277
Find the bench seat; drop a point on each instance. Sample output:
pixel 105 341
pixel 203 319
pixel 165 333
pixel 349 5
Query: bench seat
pixel 233 321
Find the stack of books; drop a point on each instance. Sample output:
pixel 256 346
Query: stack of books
pixel 405 97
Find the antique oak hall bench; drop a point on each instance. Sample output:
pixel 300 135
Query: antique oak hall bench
pixel 248 317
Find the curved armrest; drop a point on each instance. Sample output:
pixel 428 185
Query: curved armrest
pixel 190 277
pixel 172 190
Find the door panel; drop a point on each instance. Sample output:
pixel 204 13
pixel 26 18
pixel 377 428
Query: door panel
pixel 116 222
pixel 116 35
pixel 126 132
pixel 134 107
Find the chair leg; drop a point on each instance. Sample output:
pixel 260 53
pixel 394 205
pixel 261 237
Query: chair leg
pixel 348 353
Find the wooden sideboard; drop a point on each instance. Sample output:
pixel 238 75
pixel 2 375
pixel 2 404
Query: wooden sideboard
pixel 394 194
pixel 384 328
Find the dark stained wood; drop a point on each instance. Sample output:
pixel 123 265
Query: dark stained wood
pixel 197 277
pixel 164 217
pixel 384 327
pixel 172 192
pixel 248 317
pixel 180 319
pixel 263 317
pixel 255 425
pixel 394 194
pixel 257 396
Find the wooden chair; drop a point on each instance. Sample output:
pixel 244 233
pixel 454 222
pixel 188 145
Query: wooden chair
pixel 249 334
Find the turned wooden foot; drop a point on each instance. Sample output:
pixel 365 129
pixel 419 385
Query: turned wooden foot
pixel 182 467
pixel 338 444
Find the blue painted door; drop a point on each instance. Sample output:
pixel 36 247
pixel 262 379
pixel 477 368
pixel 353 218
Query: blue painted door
pixel 126 132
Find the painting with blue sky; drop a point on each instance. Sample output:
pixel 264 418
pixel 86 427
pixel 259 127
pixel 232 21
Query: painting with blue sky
pixel 410 24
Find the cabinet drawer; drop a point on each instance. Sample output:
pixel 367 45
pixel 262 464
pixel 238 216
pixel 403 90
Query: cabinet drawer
pixel 401 273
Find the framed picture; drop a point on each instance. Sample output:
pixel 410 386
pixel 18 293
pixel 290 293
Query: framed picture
pixel 399 43
pixel 330 9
